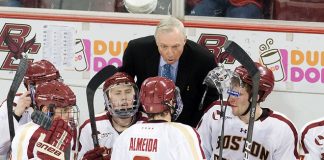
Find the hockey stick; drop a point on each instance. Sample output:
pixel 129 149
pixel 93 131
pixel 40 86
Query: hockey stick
pixel 221 140
pixel 92 86
pixel 19 75
pixel 219 78
pixel 240 55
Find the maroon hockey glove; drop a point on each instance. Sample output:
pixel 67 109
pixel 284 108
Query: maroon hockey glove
pixel 55 142
pixel 98 153
pixel 59 135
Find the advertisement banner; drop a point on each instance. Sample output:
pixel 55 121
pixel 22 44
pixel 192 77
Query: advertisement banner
pixel 80 49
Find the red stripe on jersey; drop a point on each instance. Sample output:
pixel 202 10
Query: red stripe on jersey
pixel 304 132
pixel 201 150
pixel 33 139
pixel 215 103
pixel 74 136
pixel 293 129
pixel 14 104
pixel 99 118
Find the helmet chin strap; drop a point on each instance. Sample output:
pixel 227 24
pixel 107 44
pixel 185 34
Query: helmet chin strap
pixel 247 110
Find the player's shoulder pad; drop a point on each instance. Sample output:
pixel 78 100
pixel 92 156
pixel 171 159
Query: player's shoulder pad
pixel 313 125
pixel 182 128
pixel 283 119
pixel 98 117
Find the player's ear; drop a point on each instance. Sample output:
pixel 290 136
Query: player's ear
pixel 44 109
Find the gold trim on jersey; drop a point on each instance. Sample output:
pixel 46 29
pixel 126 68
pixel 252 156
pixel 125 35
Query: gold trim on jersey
pixel 21 140
pixel 189 138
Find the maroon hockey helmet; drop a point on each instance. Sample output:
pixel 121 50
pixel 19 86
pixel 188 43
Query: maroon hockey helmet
pixel 266 83
pixel 56 93
pixel 118 108
pixel 119 77
pixel 41 71
pixel 159 94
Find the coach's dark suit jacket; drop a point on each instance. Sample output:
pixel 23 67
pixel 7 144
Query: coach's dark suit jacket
pixel 141 59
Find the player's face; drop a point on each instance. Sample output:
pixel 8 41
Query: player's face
pixel 170 45
pixel 239 103
pixel 65 113
pixel 122 96
pixel 68 114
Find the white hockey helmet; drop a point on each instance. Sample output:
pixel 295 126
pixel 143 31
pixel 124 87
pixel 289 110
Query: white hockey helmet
pixel 142 6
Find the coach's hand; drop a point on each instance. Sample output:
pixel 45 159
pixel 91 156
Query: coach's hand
pixel 98 153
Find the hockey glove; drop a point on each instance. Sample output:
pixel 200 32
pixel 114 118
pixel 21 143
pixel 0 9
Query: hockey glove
pixel 56 140
pixel 98 153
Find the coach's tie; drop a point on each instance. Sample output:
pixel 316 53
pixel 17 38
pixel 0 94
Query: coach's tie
pixel 167 71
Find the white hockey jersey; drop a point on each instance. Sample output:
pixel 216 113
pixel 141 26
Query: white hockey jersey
pixel 158 140
pixel 274 136
pixel 4 125
pixel 23 147
pixel 312 140
pixel 106 132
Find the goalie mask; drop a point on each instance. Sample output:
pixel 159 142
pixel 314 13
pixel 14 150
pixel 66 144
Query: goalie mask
pixel 266 82
pixel 59 100
pixel 40 71
pixel 121 95
pixel 159 94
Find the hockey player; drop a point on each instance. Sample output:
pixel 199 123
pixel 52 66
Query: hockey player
pixel 312 140
pixel 159 138
pixel 49 135
pixel 121 100
pixel 274 136
pixel 37 73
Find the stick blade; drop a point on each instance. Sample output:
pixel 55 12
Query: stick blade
pixel 240 55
